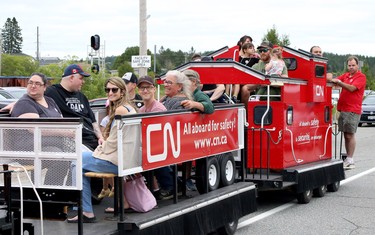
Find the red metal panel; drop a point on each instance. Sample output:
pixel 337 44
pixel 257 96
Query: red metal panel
pixel 307 140
pixel 173 139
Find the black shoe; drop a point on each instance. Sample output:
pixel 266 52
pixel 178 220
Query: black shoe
pixel 166 194
pixel 157 195
pixel 85 219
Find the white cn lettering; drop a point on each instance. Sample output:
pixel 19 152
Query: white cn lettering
pixel 319 91
pixel 167 130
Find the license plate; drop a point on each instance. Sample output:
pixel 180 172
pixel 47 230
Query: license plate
pixel 371 117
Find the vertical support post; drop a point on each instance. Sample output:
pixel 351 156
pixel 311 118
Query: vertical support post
pixel 142 34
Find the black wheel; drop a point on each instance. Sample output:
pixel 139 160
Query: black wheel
pixel 333 187
pixel 320 192
pixel 229 228
pixel 227 169
pixel 360 124
pixel 304 197
pixel 213 175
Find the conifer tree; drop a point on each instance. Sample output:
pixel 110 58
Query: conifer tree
pixel 12 38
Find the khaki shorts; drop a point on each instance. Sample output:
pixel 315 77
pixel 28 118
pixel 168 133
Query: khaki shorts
pixel 348 122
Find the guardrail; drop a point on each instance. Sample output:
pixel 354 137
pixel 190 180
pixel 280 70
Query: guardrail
pixel 49 148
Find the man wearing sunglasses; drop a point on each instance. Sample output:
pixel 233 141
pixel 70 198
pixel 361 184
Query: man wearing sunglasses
pixel 264 51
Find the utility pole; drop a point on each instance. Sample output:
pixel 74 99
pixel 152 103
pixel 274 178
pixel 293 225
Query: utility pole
pixel 37 44
pixel 142 34
pixel 1 48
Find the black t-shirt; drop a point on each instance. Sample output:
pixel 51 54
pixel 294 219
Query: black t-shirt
pixel 137 101
pixel 249 61
pixel 75 104
pixel 208 87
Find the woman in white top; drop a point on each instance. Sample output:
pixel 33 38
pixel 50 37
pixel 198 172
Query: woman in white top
pixel 104 158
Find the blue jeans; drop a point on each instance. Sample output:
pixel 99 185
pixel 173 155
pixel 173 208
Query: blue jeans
pixel 164 177
pixel 90 163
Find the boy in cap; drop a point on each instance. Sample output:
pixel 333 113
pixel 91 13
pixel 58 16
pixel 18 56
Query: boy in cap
pixel 131 81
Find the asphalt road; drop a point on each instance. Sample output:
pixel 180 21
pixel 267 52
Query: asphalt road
pixel 350 210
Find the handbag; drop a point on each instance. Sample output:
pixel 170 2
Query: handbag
pixel 138 195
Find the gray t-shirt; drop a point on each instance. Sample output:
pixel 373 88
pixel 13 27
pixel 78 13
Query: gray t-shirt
pixel 24 140
pixel 26 104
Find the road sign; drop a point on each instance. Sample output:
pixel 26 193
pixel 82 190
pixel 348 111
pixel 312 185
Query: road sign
pixel 141 61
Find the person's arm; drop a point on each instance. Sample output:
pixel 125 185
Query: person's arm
pixel 29 115
pixel 191 104
pixel 218 92
pixel 203 104
pixel 9 107
pixel 346 86
pixel 97 132
pixel 329 77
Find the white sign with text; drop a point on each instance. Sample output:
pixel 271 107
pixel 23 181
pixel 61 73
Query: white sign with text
pixel 141 61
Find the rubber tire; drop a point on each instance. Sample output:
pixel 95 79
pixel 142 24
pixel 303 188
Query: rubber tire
pixel 305 197
pixel 333 187
pixel 227 168
pixel 320 192
pixel 360 124
pixel 211 162
pixel 213 168
pixel 228 229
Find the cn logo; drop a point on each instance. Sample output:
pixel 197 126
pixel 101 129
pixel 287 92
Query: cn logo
pixel 167 131
pixel 319 91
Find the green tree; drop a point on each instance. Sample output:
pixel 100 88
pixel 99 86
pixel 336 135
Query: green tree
pixel 12 38
pixel 273 37
pixel 17 65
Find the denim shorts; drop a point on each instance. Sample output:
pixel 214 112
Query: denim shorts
pixel 348 122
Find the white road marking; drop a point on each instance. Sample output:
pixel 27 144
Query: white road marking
pixel 287 205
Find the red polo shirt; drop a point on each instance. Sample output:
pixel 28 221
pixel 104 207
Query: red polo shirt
pixel 352 101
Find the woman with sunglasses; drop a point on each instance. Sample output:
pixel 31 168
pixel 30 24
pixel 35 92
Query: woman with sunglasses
pixel 104 158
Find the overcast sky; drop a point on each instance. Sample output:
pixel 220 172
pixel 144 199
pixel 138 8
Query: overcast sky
pixel 65 27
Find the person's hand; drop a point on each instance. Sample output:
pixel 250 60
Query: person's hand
pixel 188 104
pixel 100 140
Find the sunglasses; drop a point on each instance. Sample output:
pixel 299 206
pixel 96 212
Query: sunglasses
pixel 263 50
pixel 114 90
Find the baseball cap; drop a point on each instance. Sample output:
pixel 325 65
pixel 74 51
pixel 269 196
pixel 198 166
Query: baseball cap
pixel 265 44
pixel 146 79
pixel 73 69
pixel 130 77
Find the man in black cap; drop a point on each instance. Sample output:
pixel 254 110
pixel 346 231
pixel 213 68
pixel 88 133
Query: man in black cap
pixel 131 81
pixel 73 103
pixel 264 51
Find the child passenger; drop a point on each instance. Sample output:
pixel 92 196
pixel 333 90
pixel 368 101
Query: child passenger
pixel 276 64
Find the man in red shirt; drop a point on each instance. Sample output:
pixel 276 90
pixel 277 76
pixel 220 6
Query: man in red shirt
pixel 353 85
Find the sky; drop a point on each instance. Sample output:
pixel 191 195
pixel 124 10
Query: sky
pixel 65 27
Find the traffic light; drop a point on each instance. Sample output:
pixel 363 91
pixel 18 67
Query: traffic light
pixel 95 42
pixel 95 68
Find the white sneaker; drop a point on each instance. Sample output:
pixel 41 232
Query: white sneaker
pixel 348 165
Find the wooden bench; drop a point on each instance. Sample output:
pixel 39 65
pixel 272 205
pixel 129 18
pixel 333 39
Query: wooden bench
pixel 107 175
